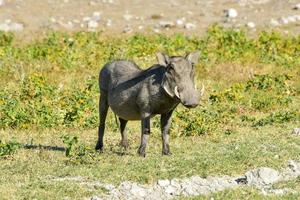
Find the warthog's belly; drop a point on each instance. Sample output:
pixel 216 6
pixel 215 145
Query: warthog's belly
pixel 123 104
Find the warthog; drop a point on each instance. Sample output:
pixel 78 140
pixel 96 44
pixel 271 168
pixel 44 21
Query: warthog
pixel 136 94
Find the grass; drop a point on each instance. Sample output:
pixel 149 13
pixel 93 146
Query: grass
pixel 49 101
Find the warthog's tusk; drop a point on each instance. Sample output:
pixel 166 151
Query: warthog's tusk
pixel 176 92
pixel 202 90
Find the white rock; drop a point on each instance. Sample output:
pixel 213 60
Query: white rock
pixel 171 190
pixel 189 26
pixel 297 6
pixel 291 19
pixel 297 17
pixel 156 30
pixel 296 131
pixel 1 2
pixel 52 19
pixel 96 16
pixel 140 27
pixel 92 24
pixel 232 13
pixel 127 29
pixel 274 22
pixel 109 22
pixel 294 166
pixel 262 176
pixel 163 183
pixel 284 20
pixel 138 191
pixel 127 17
pixel 179 22
pixel 250 25
pixel 7 21
pixel 76 21
pixel 86 19
pixel 166 24
pixel 4 27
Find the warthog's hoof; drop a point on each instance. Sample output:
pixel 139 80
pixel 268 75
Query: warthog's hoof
pixel 124 144
pixel 99 147
pixel 166 150
pixel 141 151
pixel 166 153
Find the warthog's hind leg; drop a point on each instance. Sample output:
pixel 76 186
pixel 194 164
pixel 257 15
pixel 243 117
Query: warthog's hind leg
pixel 124 141
pixel 103 107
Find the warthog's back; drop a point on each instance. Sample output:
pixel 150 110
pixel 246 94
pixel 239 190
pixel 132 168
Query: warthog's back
pixel 116 72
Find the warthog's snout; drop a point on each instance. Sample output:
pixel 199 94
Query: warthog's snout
pixel 190 105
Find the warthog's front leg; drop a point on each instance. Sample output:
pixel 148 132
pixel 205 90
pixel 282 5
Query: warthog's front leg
pixel 145 135
pixel 103 107
pixel 124 141
pixel 165 123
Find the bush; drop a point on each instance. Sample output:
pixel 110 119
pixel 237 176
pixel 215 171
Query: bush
pixel 8 148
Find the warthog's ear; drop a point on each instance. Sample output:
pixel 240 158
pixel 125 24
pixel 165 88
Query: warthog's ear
pixel 193 57
pixel 162 59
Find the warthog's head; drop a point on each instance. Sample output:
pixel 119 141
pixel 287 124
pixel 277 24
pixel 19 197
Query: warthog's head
pixel 178 80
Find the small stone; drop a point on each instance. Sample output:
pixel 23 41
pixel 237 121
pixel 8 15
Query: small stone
pixel 262 176
pixel 76 21
pixel 166 24
pixel 156 30
pixel 1 2
pixel 52 19
pixel 109 22
pixel 189 26
pixel 284 20
pixel 92 24
pixel 170 190
pixel 297 6
pixel 294 166
pixel 137 191
pixel 291 19
pixel 232 13
pixel 7 21
pixel 180 22
pixel 140 27
pixel 250 25
pixel 127 17
pixel 86 19
pixel 296 131
pixel 96 16
pixel 274 22
pixel 163 183
pixel 4 27
pixel 127 29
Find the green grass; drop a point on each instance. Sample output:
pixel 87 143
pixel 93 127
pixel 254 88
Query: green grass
pixel 50 96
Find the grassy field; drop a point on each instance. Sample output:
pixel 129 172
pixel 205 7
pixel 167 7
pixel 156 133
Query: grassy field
pixel 49 95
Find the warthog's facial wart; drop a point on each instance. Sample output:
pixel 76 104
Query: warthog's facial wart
pixel 178 80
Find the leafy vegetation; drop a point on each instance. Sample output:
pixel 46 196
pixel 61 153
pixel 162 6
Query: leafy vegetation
pixel 8 148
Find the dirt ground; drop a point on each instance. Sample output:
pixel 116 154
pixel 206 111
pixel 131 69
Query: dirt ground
pixel 124 16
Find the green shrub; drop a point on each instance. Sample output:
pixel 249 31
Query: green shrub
pixel 8 148
pixel 279 117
